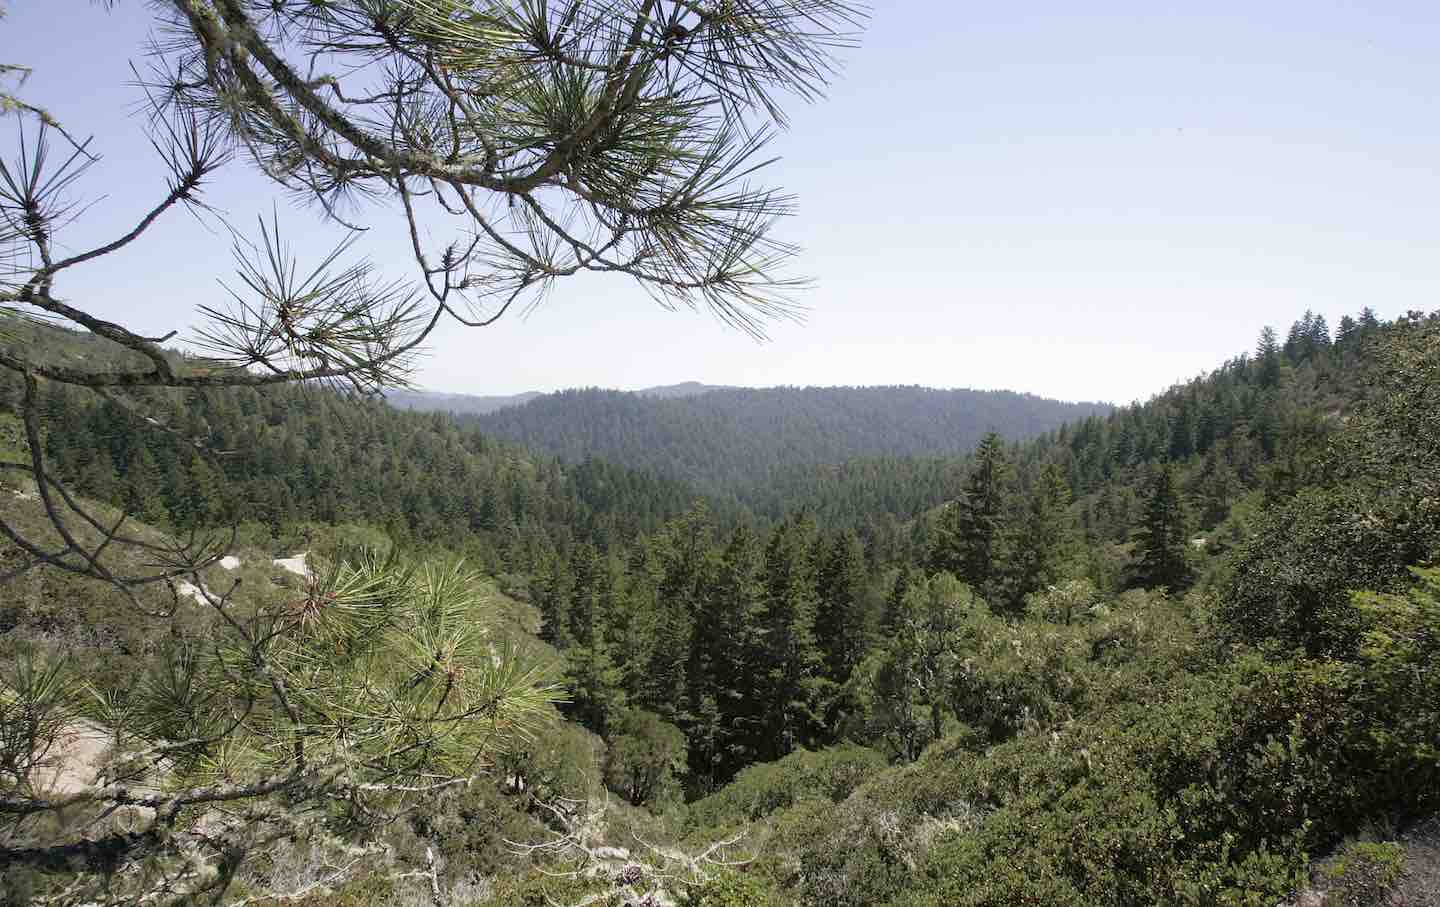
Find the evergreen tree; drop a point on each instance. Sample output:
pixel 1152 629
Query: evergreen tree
pixel 1267 356
pixel 1347 331
pixel 1162 540
pixel 685 575
pixel 1299 343
pixel 143 496
pixel 971 534
pixel 630 617
pixel 1219 487
pixel 593 679
pixel 1182 433
pixel 583 610
pixel 1045 546
pixel 792 659
pixel 841 624
pixel 728 663
pixel 98 479
pixel 554 599
pixel 905 577
pixel 201 496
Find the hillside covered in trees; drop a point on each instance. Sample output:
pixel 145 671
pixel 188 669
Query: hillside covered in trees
pixel 1135 634
pixel 731 441
pixel 292 455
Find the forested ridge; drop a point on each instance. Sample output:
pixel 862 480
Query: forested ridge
pixel 732 441
pixel 1120 663
pixel 295 454
pixel 471 404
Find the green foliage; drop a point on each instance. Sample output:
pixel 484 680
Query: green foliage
pixel 1289 582
pixel 729 440
pixel 730 889
pixel 645 755
pixel 1371 513
pixel 972 534
pixel 1019 677
pixel 541 889
pixel 1303 750
pixel 561 764
pixel 354 688
pixel 1163 539
pixel 1070 602
pixel 902 689
pixel 857 852
pixel 37 708
pixel 828 775
pixel 1045 547
pixel 1363 873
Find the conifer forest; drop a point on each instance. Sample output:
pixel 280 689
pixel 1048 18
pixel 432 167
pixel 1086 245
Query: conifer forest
pixel 279 628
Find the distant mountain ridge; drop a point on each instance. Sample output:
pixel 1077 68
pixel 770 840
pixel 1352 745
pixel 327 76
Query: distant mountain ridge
pixel 476 405
pixel 726 439
pixel 468 404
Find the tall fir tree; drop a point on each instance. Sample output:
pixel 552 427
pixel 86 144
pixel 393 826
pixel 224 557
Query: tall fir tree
pixel 1182 432
pixel 842 627
pixel 1267 358
pixel 905 577
pixel 556 590
pixel 972 533
pixel 592 677
pixel 1163 539
pixel 143 496
pixel 630 617
pixel 793 661
pixel 1346 332
pixel 1046 544
pixel 727 665
pixel 684 575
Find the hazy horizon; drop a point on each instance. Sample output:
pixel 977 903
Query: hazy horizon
pixel 728 386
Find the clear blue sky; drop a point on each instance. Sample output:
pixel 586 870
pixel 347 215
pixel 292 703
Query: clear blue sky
pixel 1085 201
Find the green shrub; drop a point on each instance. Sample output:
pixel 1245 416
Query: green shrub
pixel 560 764
pixel 537 889
pixel 850 854
pixel 1362 873
pixel 1315 746
pixel 1020 677
pixel 363 892
pixel 829 775
pixel 730 889
pixel 645 755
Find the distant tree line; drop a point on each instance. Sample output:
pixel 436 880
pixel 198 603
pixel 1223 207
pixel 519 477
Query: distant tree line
pixel 730 441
